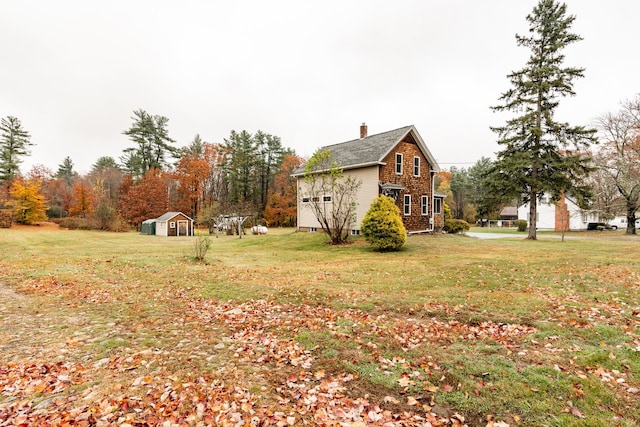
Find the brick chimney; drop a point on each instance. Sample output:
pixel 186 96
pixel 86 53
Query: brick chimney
pixel 363 130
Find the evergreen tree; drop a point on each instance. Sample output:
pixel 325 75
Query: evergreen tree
pixel 271 154
pixel 196 148
pixel 14 144
pixel 487 205
pixel 539 153
pixel 240 168
pixel 66 172
pixel 151 135
pixel 104 162
pixel 132 163
pixel 462 191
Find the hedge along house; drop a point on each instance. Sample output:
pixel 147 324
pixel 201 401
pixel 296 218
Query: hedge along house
pixel 173 224
pixel 396 163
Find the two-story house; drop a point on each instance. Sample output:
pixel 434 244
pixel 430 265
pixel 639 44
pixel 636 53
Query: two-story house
pixel 396 163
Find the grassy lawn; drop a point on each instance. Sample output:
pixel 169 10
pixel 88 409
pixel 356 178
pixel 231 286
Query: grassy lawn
pixel 282 329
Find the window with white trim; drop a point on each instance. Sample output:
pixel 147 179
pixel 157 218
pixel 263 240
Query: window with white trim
pixel 437 205
pixel 416 166
pixel 306 199
pixel 326 198
pixel 172 224
pixel 424 206
pixel 355 232
pixel 407 204
pixel 399 163
pixel 313 229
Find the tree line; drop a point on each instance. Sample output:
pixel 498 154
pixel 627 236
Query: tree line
pixel 251 173
pixel 610 188
pixel 541 155
pixel 248 174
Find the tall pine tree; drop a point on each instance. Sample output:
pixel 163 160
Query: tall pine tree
pixel 240 169
pixel 151 135
pixel 66 172
pixel 14 144
pixel 539 153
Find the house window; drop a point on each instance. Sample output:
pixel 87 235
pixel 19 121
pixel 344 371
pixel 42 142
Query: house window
pixel 407 204
pixel 355 232
pixel 172 224
pixel 306 199
pixel 416 166
pixel 425 205
pixel 316 199
pixel 437 205
pixel 326 198
pixel 399 163
pixel 312 229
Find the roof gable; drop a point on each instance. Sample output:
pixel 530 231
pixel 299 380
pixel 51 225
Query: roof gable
pixel 371 150
pixel 169 215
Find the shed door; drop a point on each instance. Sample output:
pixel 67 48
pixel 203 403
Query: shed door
pixel 183 228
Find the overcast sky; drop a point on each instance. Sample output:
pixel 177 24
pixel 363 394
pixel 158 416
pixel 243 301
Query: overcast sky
pixel 309 72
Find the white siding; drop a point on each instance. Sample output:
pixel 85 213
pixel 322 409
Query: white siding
pixel 546 215
pixel 368 191
pixel 578 219
pixel 161 228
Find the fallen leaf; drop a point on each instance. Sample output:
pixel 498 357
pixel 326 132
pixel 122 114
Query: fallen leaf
pixel 411 401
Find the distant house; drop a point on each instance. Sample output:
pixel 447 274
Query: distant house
pixel 169 224
pixel 565 214
pixel 509 213
pixel 396 163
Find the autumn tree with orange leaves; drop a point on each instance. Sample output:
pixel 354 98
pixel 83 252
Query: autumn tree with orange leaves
pixel 282 207
pixel 27 204
pixel 84 200
pixel 190 174
pixel 145 199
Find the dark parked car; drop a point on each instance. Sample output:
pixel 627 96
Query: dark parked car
pixel 592 226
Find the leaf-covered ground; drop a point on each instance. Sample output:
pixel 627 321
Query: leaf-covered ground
pixel 91 336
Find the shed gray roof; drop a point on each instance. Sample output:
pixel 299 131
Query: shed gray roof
pixel 169 215
pixel 372 149
pixel 509 211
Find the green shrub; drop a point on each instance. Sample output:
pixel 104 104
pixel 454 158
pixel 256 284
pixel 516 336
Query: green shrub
pixel 382 226
pixel 521 224
pixel 455 226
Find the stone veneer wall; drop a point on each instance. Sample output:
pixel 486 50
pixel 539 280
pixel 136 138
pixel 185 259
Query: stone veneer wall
pixel 415 186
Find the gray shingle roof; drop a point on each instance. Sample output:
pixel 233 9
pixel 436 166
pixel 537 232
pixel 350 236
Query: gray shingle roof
pixel 509 211
pixel 169 215
pixel 371 149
